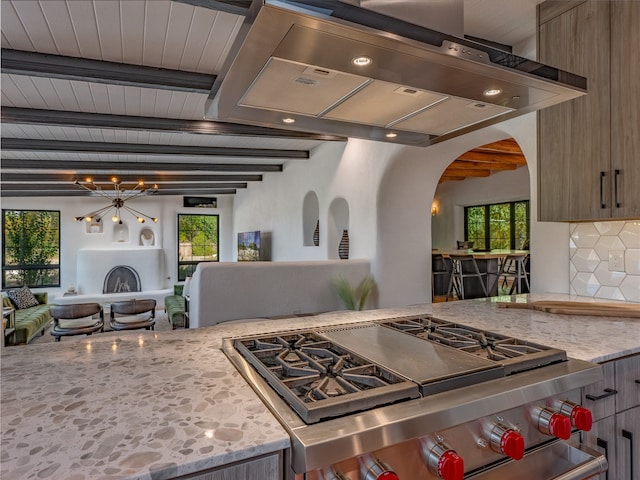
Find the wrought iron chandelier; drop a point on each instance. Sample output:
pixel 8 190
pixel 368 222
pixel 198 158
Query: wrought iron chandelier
pixel 118 198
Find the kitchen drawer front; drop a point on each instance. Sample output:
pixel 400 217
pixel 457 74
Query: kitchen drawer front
pixel 600 397
pixel 263 468
pixel 602 438
pixel 627 383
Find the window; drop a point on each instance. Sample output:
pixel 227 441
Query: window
pixel 498 226
pixel 197 242
pixel 31 248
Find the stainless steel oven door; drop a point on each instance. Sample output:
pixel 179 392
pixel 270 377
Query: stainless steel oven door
pixel 556 461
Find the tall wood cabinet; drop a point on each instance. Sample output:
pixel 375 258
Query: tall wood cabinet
pixel 589 148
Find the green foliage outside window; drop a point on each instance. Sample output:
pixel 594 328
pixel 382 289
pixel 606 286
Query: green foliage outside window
pixel 197 242
pixel 498 226
pixel 31 248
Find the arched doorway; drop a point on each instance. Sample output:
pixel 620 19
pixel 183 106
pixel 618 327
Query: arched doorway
pixel 483 197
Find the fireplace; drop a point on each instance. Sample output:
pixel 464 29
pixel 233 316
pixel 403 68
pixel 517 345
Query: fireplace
pixel 95 265
pixel 121 279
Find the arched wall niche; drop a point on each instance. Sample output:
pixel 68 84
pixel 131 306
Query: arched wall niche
pixel 337 222
pixel 310 217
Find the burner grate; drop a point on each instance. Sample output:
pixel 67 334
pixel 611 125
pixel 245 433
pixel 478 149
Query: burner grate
pixel 320 379
pixel 514 354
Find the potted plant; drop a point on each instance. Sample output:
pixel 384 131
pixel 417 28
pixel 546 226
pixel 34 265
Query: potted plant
pixel 354 298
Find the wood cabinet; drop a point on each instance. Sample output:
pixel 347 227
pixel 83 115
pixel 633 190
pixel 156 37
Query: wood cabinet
pixel 587 168
pixel 615 404
pixel 268 467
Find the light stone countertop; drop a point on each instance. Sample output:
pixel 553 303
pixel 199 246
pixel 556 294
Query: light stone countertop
pixel 159 405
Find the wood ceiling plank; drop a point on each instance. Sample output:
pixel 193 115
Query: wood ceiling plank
pixel 61 26
pixel 31 16
pixel 16 36
pixel 85 29
pixel 109 30
pixel 132 20
pixel 156 22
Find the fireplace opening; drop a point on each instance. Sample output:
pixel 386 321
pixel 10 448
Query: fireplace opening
pixel 121 279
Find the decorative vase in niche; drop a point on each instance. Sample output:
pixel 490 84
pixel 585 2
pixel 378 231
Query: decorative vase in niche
pixel 343 247
pixel 146 237
pixel 316 234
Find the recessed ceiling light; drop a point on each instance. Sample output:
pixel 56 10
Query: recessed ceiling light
pixel 288 120
pixel 391 135
pixel 361 61
pixel 492 92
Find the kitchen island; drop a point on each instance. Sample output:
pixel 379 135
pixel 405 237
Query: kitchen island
pixel 161 405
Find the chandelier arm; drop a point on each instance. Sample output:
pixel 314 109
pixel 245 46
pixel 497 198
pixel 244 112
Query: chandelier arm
pixel 97 212
pixel 134 194
pixel 137 212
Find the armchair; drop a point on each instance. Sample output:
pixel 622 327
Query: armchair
pixel 133 314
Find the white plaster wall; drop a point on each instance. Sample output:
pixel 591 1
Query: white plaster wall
pixel 389 189
pixel 166 208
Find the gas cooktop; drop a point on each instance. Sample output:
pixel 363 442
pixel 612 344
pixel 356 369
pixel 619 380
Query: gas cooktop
pixel 331 372
pixel 352 396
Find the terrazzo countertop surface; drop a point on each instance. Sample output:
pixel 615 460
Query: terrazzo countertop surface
pixel 158 405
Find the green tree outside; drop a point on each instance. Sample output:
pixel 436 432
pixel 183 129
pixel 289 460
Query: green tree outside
pixel 31 242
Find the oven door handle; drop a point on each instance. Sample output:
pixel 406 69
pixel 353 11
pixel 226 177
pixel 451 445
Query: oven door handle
pixel 578 462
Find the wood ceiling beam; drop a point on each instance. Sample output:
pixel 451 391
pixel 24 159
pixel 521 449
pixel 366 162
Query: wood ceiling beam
pixel 508 145
pixel 87 167
pixel 34 64
pixel 493 157
pixel 467 172
pixel 484 165
pixel 237 7
pixel 127 178
pixel 24 144
pixel 32 116
pixel 70 187
pixel 448 178
pixel 56 193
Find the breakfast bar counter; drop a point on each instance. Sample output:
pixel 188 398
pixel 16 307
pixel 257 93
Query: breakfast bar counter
pixel 160 405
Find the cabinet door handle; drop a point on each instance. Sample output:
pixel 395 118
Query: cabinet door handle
pixel 615 188
pixel 602 204
pixel 628 435
pixel 603 444
pixel 608 393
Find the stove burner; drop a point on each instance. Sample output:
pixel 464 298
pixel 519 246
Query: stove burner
pixel 312 370
pixel 518 355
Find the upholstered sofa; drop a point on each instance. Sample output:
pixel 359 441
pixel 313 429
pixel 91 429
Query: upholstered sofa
pixel 29 321
pixel 175 307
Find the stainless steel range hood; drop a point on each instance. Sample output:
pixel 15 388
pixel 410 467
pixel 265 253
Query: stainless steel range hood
pixel 296 61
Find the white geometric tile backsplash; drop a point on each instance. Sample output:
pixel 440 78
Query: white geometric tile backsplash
pixel 590 244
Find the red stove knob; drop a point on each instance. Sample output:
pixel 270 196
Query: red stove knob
pixel 374 469
pixel 443 461
pixel 554 424
pixel 580 416
pixel 507 441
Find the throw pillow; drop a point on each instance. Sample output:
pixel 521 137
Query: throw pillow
pixel 22 297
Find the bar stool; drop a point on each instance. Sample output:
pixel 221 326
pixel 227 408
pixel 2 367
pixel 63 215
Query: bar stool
pixel 440 268
pixel 514 267
pixel 465 266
